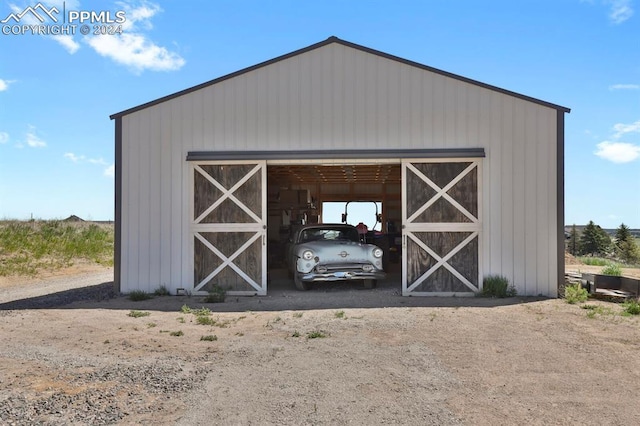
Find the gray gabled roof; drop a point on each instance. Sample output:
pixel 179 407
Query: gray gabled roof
pixel 330 40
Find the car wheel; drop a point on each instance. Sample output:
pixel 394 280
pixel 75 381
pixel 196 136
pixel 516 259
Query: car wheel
pixel 300 285
pixel 370 283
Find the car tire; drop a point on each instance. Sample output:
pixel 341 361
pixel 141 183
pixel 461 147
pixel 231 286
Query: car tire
pixel 369 284
pixel 300 285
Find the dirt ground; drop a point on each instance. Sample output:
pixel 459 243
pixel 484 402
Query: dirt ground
pixel 329 356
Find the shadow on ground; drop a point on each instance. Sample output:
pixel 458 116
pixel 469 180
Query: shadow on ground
pixel 282 296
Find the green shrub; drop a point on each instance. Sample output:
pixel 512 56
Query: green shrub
pixel 575 294
pixel 594 261
pixel 631 307
pixel 497 286
pixel 612 269
pixel 217 294
pixel 205 320
pixel 162 291
pixel 138 314
pixel 138 295
pixel 316 335
pixel 209 338
pixel 201 312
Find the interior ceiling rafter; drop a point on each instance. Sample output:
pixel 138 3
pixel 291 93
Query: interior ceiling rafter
pixel 313 173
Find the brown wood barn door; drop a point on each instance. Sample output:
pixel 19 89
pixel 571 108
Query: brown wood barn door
pixel 229 227
pixel 441 227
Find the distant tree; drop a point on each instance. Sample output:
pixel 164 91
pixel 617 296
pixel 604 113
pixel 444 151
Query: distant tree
pixel 574 242
pixel 625 245
pixel 622 234
pixel 594 240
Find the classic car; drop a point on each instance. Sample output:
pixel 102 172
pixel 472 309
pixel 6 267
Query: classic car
pixel 332 252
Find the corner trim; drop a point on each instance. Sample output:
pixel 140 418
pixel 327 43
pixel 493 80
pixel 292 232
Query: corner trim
pixel 332 154
pixel 117 255
pixel 560 195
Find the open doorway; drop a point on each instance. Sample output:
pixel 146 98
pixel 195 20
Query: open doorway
pixel 357 212
pixel 319 193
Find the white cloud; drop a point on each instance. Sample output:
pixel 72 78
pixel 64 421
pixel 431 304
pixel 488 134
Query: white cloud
pixel 4 137
pixel 83 159
pixel 69 4
pixel 620 11
pixel 624 87
pixel 622 129
pixel 98 161
pixel 4 84
pixel 67 42
pixel 618 152
pixel 34 141
pixel 132 48
pixel 76 159
pixel 139 15
pixel 137 53
pixel 110 171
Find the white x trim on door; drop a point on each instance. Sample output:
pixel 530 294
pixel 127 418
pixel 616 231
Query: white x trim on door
pixel 253 230
pixel 415 225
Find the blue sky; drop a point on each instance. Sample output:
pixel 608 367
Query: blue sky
pixel 57 92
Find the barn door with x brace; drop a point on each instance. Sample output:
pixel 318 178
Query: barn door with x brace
pixel 229 227
pixel 441 227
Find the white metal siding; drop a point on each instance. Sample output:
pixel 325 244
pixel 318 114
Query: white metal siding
pixel 336 97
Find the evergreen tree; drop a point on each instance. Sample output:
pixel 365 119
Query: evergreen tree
pixel 574 243
pixel 594 240
pixel 625 245
pixel 622 234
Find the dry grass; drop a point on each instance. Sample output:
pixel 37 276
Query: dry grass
pixel 28 248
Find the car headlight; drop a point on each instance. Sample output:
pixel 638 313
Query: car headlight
pixel 377 252
pixel 307 255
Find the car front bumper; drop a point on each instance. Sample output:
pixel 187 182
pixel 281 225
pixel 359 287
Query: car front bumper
pixel 341 276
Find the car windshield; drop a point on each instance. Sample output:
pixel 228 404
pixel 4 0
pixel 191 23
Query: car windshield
pixel 329 234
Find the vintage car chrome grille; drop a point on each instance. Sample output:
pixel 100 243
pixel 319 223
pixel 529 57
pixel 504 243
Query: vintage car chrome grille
pixel 344 267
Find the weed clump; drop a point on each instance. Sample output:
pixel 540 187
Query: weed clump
pixel 316 335
pixel 205 320
pixel 612 269
pixel 209 338
pixel 138 314
pixel 575 294
pixel 162 291
pixel 139 295
pixel 631 307
pixel 497 286
pixel 217 294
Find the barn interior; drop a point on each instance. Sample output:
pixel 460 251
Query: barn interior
pixel 296 194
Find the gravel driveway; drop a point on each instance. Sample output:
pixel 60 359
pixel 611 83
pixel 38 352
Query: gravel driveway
pixel 367 357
